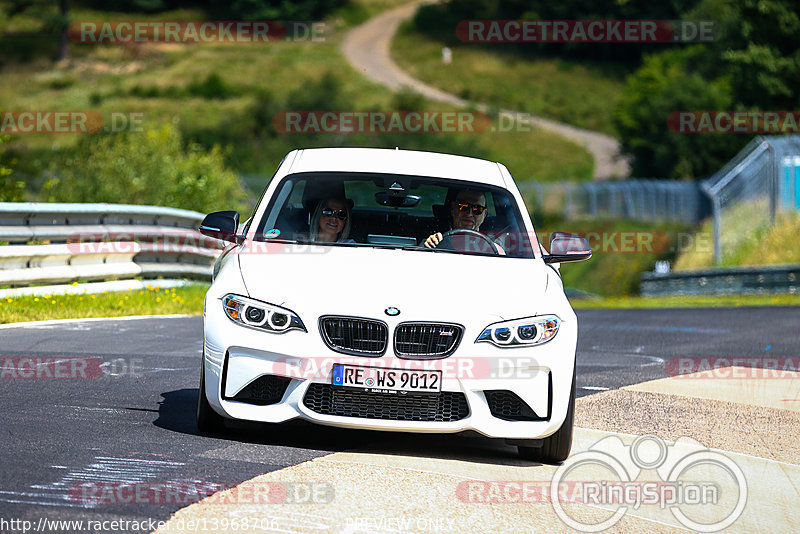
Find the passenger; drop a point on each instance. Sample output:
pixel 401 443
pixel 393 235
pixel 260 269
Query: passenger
pixel 331 221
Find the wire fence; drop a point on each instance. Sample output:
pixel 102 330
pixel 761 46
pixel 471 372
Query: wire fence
pixel 640 200
pixel 748 193
pixel 745 196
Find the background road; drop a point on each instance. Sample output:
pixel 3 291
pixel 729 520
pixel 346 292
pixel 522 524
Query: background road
pixel 139 427
pixel 367 48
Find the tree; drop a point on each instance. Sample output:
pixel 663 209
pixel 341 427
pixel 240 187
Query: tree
pixel 753 65
pixel 665 84
pixel 51 21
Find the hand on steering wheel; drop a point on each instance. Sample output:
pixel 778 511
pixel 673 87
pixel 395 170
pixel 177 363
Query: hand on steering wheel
pixel 446 240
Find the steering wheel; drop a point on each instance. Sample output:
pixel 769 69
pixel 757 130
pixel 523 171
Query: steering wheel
pixel 447 240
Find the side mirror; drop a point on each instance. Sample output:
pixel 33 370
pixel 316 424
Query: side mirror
pixel 567 247
pixel 221 225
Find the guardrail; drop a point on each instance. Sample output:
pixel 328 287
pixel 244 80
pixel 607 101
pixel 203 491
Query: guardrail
pixel 106 246
pixel 778 279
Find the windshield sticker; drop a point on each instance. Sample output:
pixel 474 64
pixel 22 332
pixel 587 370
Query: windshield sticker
pixel 272 233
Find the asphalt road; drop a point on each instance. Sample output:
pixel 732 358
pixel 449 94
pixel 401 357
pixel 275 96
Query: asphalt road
pixel 133 421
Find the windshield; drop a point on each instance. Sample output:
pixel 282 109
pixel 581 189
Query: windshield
pixel 396 211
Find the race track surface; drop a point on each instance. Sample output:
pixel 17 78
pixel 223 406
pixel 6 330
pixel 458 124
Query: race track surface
pixel 131 421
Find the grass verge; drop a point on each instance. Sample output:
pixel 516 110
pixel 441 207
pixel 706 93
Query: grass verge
pixel 621 252
pixel 231 94
pixel 189 300
pixel 714 301
pixel 152 301
pixel 747 239
pixel 578 94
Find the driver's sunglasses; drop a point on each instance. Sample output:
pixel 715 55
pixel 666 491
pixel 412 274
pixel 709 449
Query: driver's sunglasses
pixel 340 214
pixel 477 209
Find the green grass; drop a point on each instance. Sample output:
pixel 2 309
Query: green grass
pixel 579 94
pixel 358 11
pixel 617 263
pixel 152 301
pixel 686 302
pixel 747 239
pixel 158 81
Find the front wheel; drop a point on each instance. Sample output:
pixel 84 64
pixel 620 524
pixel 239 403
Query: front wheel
pixel 556 447
pixel 208 421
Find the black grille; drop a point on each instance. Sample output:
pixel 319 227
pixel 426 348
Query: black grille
pixel 426 340
pixel 351 335
pixel 507 405
pixel 329 400
pixel 267 389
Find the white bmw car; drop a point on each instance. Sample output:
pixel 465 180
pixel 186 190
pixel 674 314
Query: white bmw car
pixel 392 290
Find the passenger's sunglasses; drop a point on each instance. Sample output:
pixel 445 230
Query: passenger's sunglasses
pixel 340 214
pixel 477 209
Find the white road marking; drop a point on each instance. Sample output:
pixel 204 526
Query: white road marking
pixel 56 322
pixel 103 469
pixel 635 354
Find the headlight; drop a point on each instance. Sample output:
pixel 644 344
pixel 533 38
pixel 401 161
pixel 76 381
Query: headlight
pixel 521 332
pixel 257 314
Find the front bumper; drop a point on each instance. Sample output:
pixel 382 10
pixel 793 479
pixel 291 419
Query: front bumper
pixel 541 376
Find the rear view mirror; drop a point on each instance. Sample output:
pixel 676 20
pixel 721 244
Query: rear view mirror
pixel 397 201
pixel 221 225
pixel 567 247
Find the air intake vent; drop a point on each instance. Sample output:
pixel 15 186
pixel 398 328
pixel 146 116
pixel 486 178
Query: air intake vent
pixel 267 389
pixel 507 405
pixel 329 400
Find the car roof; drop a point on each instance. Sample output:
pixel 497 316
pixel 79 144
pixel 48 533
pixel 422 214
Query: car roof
pixel 404 162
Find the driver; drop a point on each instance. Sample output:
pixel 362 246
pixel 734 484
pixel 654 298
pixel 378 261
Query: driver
pixel 467 211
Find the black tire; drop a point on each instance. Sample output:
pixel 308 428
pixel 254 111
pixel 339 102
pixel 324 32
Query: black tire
pixel 556 447
pixel 208 421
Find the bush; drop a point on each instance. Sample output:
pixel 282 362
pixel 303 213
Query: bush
pixel 11 190
pixel 151 167
pixel 256 144
pixel 213 87
pixel 609 272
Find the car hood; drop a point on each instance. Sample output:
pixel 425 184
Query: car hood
pixel 363 281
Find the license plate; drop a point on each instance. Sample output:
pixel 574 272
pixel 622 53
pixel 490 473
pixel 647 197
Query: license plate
pixel 380 380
